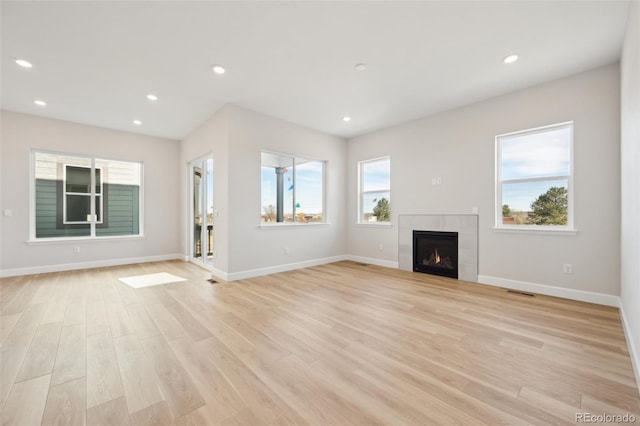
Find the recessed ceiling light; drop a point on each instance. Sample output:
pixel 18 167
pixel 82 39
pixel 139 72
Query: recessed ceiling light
pixel 346 119
pixel 218 69
pixel 360 67
pixel 137 122
pixel 40 103
pixel 152 97
pixel 510 59
pixel 23 63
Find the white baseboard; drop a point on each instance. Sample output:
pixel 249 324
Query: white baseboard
pixel 242 275
pixel 214 271
pixel 373 261
pixel 566 293
pixel 87 265
pixel 634 351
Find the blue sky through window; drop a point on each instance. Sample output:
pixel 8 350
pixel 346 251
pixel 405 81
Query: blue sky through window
pixel 533 156
pixel 308 188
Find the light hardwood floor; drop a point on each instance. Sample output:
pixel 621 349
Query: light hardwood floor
pixel 339 344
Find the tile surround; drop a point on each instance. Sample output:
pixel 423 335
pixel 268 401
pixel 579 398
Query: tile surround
pixel 466 225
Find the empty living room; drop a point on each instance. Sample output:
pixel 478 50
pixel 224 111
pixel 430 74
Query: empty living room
pixel 320 212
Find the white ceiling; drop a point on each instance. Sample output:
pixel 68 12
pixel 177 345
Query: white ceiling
pixel 94 62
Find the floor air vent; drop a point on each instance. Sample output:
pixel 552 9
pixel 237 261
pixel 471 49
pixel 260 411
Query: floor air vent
pixel 521 293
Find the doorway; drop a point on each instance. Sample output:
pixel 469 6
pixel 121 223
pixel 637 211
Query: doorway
pixel 202 213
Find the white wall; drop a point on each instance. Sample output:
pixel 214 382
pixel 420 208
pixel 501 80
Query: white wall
pixel 252 247
pixel 630 173
pixel 210 138
pixel 20 133
pixel 458 146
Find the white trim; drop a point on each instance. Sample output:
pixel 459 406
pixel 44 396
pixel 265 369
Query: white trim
pixel 280 225
pixel 547 230
pixel 73 240
pixel 214 271
pixel 633 351
pixel 549 290
pixel 373 261
pixel 375 224
pixel 87 265
pixel 233 276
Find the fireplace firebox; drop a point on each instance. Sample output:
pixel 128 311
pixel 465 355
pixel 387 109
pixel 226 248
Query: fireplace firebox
pixel 436 253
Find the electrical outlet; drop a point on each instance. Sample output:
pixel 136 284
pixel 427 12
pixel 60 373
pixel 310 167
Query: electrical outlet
pixel 76 249
pixel 567 268
pixel 380 247
pixel 286 250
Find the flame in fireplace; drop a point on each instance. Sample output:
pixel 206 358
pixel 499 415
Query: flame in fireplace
pixel 437 256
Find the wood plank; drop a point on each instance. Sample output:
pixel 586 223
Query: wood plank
pixel 16 346
pixel 66 404
pixel 157 414
pixel 71 359
pixel 110 413
pixel 164 321
pixel 103 374
pixel 138 378
pixel 119 321
pixel 190 324
pixel 76 313
pixel 57 305
pixel 7 322
pixel 42 353
pixel 97 320
pixel 222 397
pixel 177 387
pixel 26 402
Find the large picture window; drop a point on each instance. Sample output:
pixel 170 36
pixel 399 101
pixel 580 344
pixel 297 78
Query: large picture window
pixel 292 189
pixel 77 196
pixel 374 192
pixel 534 178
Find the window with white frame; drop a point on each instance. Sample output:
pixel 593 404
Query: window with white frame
pixel 534 185
pixel 292 189
pixel 84 197
pixel 77 194
pixel 374 191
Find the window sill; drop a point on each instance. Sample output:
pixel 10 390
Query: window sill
pixel 72 240
pixel 375 224
pixel 291 225
pixel 536 231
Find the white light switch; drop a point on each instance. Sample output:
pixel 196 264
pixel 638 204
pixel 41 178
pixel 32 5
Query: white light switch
pixel 7 213
pixel 474 210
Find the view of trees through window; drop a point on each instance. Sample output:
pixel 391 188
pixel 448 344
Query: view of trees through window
pixel 375 191
pixel 549 208
pixel 534 176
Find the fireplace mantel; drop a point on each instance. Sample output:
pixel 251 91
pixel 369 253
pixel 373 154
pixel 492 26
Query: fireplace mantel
pixel 466 225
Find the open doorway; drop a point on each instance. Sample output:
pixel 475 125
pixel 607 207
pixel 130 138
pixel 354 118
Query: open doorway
pixel 202 213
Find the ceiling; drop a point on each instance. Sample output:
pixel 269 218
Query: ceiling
pixel 95 62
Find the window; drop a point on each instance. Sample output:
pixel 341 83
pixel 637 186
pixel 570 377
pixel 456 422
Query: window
pixel 77 196
pixel 374 197
pixel 534 178
pixel 292 189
